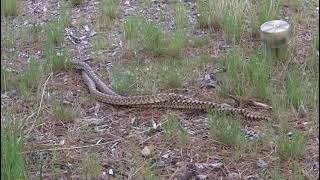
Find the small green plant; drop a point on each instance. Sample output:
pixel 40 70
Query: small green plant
pixel 290 145
pixel 76 2
pixel 148 172
pixel 279 106
pixel 175 45
pixel 210 13
pixel 234 79
pixel 132 27
pixel 123 79
pixel 294 88
pixel 267 10
pixel 99 43
pixel 30 78
pixel 8 79
pixel 57 59
pixel 276 173
pixel 63 112
pixel 12 160
pixel 234 20
pixel 228 131
pixel 180 20
pixel 109 10
pixel 316 41
pixel 258 71
pixel 91 166
pixel 171 76
pixel 200 42
pixel 10 7
pixel 55 32
pixel 153 38
pixel 65 13
pixel 173 128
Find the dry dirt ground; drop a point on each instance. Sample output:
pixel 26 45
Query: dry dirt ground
pixel 117 137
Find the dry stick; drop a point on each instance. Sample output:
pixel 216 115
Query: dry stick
pixel 71 148
pixel 40 104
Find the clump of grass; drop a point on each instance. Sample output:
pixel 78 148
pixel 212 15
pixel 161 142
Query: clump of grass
pixel 200 42
pixel 65 12
pixel 279 106
pixel 76 2
pixel 290 146
pixel 99 43
pixel 55 32
pixel 258 72
pixel 155 42
pixel 91 166
pixel 180 20
pixel 8 79
pixel 148 172
pixel 234 79
pixel 57 59
pixel 228 131
pixel 153 38
pixel 316 41
pixel 267 10
pixel 294 88
pixel 176 43
pixel 63 112
pixel 12 160
pixel 210 13
pixel 234 20
pixel 123 80
pixel 132 28
pixel 171 76
pixel 173 128
pixel 30 78
pixel 109 10
pixel 10 7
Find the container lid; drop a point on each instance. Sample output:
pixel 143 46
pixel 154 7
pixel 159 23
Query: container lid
pixel 274 26
pixel 275 33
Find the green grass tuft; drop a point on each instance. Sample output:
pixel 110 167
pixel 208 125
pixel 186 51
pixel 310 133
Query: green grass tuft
pixel 259 72
pixel 64 113
pixel 294 88
pixel 57 59
pixel 12 161
pixel 91 166
pixel 173 128
pixel 228 131
pixel 291 147
pixel 30 78
pixel 55 32
pixel 10 7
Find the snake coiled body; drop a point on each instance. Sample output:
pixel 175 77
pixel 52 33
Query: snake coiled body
pixel 163 100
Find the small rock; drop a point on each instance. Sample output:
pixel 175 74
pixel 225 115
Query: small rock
pixel 146 151
pixel 233 175
pixel 110 172
pixel 202 177
pixel 302 111
pixel 252 177
pixel 262 164
pixel 86 28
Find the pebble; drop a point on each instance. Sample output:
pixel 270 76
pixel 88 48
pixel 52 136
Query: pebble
pixel 146 151
pixel 262 164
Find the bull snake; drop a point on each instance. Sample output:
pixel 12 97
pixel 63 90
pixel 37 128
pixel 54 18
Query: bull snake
pixel 162 100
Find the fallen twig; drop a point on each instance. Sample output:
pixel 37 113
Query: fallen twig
pixel 71 148
pixel 40 105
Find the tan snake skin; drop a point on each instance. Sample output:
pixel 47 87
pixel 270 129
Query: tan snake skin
pixel 164 100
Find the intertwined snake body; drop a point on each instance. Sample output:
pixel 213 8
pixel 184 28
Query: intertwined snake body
pixel 162 100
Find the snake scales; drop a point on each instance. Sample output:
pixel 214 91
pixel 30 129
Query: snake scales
pixel 166 100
